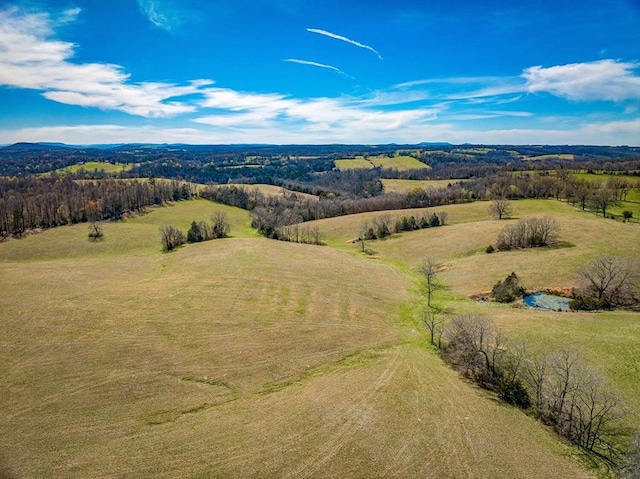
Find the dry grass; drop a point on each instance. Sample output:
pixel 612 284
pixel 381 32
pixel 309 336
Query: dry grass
pixel 271 190
pixel 247 357
pixel 404 186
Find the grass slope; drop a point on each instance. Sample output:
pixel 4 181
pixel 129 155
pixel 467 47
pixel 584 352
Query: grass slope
pixel 609 340
pixel 241 357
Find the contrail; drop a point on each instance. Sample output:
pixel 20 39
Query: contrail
pixel 319 65
pixel 344 39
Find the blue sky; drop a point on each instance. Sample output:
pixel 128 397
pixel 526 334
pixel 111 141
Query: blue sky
pixel 322 71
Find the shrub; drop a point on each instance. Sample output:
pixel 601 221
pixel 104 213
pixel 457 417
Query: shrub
pixel 509 290
pixel 490 249
pixel 171 237
pixel 515 393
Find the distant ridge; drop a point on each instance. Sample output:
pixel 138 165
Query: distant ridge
pixel 36 146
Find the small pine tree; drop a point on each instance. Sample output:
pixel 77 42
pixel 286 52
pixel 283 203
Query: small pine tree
pixel 509 290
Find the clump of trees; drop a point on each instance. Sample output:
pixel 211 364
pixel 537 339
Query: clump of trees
pixel 509 290
pixel 385 225
pixel 559 389
pixel 607 283
pixel 529 233
pixel 424 220
pixel 171 237
pixel 203 231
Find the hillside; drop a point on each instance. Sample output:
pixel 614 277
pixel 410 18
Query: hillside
pixel 240 357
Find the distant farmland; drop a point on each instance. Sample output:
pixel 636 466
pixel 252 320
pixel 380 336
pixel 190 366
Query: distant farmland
pixel 400 163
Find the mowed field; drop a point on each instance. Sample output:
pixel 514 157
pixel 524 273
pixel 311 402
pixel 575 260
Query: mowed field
pixel 400 163
pixel 96 166
pixel 247 357
pixel 608 340
pixel 404 186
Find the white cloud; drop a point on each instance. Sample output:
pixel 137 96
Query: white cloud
pixel 606 80
pixel 596 133
pixel 344 39
pixel 333 118
pixel 30 58
pixel 601 80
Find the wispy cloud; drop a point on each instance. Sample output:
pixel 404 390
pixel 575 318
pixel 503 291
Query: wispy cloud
pixel 603 80
pixel 328 119
pixel 30 58
pixel 344 39
pixel 319 65
pixel 164 14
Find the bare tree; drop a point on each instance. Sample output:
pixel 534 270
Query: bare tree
pixel 171 237
pixel 536 376
pixel 602 199
pixel 429 270
pixel 96 232
pixel 611 280
pixel 220 226
pixel 500 208
pixel 631 467
pixel 434 322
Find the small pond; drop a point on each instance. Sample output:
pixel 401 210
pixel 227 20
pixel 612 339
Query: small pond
pixel 547 301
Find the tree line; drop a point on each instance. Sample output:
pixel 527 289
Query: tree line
pixel 30 203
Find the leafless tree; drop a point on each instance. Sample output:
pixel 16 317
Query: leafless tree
pixel 602 199
pixel 171 237
pixel 429 269
pixel 220 226
pixel 500 208
pixel 631 467
pixel 434 322
pixel 613 279
pixel 476 347
pixel 536 373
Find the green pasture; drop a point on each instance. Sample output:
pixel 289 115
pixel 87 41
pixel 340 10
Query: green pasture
pixel 91 166
pixel 353 164
pixel 401 163
pixel 248 357
pixel 561 156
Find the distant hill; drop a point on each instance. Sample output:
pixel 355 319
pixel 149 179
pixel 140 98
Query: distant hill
pixel 35 146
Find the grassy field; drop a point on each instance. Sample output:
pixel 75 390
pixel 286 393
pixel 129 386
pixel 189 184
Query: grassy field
pixel 404 186
pixel 247 357
pixel 400 163
pixel 561 156
pixel 353 164
pixel 271 190
pixel 91 166
pixel 609 340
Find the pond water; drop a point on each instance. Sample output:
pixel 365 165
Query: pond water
pixel 547 301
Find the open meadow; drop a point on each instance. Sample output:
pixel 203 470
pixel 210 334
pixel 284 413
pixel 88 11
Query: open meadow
pixel 248 357
pixel 400 163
